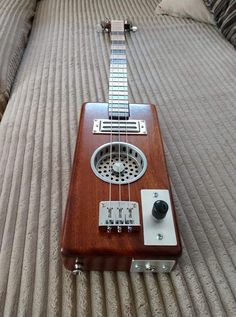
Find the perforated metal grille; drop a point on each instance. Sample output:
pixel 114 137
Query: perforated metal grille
pixel 132 159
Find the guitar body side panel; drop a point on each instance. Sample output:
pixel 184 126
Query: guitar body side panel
pixel 81 236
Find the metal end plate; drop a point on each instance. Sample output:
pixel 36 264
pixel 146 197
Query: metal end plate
pixel 152 266
pixel 101 126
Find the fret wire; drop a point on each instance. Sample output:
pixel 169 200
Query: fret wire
pixel 118 89
pixel 118 92
pixel 119 81
pixel 117 101
pixel 118 61
pixel 118 51
pixel 117 47
pixel 118 56
pixel 118 97
pixel 118 66
pixel 118 70
pixel 123 110
pixel 119 107
pixel 119 104
pixel 118 75
pixel 114 42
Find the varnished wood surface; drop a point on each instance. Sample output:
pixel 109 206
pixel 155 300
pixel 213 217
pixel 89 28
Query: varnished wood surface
pixel 81 236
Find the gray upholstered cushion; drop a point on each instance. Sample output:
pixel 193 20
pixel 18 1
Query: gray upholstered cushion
pixel 15 23
pixel 193 9
pixel 225 16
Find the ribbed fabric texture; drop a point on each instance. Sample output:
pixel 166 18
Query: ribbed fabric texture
pixel 15 24
pixel 188 70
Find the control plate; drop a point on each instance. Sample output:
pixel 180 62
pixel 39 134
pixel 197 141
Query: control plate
pixel 162 232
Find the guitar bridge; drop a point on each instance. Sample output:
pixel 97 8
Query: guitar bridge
pixel 102 126
pixel 119 216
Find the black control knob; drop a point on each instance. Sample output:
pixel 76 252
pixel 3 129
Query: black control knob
pixel 159 209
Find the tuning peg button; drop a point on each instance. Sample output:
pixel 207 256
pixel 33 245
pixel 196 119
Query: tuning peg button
pixel 159 209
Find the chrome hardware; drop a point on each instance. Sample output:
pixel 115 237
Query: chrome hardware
pixel 162 232
pixel 130 159
pixel 138 267
pixel 127 26
pixel 105 126
pixel 160 236
pixel 119 215
pixel 118 167
pixel 149 267
pixel 78 268
pixel 152 266
pixel 109 229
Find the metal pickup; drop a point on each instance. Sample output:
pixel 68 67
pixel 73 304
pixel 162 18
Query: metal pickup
pixel 101 126
pixel 119 215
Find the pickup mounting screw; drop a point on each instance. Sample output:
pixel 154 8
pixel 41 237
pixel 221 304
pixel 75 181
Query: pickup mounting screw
pixel 109 229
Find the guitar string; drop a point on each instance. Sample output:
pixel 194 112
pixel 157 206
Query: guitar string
pixel 110 109
pixel 124 68
pixel 119 29
pixel 111 135
pixel 126 131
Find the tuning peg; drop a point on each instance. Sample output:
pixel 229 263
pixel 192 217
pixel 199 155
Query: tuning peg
pixel 134 28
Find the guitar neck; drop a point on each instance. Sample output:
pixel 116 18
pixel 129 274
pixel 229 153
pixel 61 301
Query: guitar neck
pixel 118 105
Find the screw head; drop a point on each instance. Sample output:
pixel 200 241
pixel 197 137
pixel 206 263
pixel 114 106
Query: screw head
pixel 160 236
pixel 78 268
pixel 130 229
pixel 138 267
pixel 150 267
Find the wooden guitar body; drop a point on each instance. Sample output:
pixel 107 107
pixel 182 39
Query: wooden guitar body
pixel 83 242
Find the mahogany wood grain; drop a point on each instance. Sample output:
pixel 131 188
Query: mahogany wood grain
pixel 81 237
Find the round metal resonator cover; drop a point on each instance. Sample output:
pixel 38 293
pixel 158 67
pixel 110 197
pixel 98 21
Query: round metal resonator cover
pixel 118 163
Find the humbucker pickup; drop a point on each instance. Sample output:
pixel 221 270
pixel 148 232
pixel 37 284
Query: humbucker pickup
pixel 106 126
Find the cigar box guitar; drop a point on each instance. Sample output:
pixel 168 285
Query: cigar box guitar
pixel 120 213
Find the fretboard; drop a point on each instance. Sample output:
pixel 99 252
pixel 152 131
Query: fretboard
pixel 118 105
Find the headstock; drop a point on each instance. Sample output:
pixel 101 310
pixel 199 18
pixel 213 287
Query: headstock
pixel 106 26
